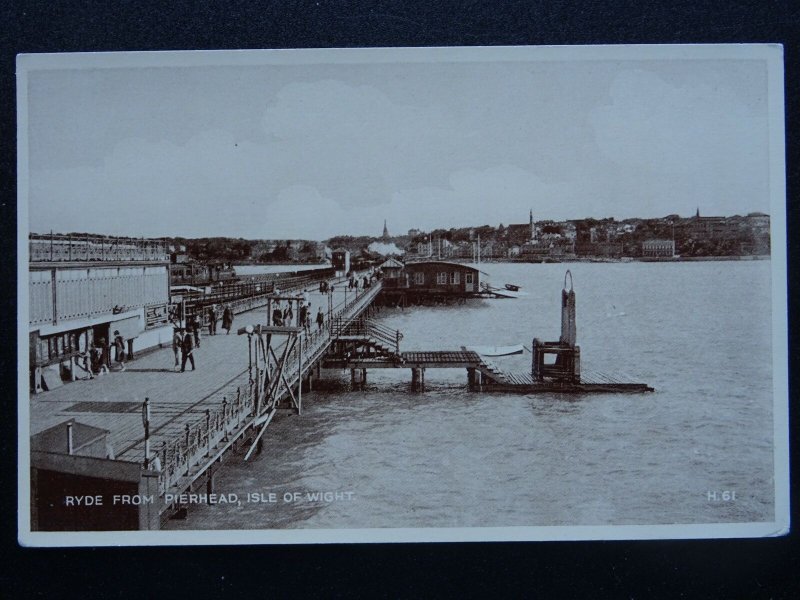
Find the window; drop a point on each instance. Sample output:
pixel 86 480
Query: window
pixel 455 278
pixel 419 278
pixel 441 278
pixel 468 278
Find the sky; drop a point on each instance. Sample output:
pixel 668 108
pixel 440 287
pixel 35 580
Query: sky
pixel 279 151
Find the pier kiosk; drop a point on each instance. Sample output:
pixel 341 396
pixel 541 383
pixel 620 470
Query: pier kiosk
pixel 567 364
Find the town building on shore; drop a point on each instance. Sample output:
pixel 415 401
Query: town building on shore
pixel 599 249
pixel 658 248
pixel 83 288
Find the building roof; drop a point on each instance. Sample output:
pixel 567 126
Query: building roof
pixel 447 263
pixel 391 263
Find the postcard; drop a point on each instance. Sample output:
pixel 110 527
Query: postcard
pixel 402 294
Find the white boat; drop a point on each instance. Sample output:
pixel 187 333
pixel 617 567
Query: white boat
pixel 496 350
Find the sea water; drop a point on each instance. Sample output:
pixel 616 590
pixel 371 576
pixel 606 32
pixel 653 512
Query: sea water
pixel 383 456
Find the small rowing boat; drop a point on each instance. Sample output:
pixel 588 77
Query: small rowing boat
pixel 496 350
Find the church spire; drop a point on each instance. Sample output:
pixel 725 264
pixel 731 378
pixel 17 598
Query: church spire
pixel 385 231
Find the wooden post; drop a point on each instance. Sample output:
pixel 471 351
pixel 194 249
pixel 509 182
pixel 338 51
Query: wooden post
pixel 414 379
pixel 208 432
pixel 188 452
pixel 471 378
pixel 146 423
pixel 568 325
pixel 69 438
pixel 537 362
pixel 224 419
pixel 299 372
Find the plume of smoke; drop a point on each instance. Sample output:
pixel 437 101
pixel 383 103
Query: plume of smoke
pixel 384 249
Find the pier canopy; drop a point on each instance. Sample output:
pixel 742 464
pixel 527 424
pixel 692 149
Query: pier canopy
pixel 60 248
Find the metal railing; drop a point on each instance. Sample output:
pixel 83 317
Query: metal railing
pixel 365 327
pixel 204 436
pixel 199 439
pixel 93 248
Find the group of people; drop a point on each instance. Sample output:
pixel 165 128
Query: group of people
pixel 285 317
pixel 183 343
pixel 354 282
pixel 214 313
pixel 186 339
pixel 97 359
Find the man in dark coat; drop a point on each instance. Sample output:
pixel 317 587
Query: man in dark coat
pixel 227 318
pixel 212 319
pixel 188 349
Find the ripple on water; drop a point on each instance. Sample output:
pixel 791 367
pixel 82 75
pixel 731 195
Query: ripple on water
pixel 448 457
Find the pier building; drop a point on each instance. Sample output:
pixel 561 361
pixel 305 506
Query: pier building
pixel 340 261
pixel 83 288
pixel 437 278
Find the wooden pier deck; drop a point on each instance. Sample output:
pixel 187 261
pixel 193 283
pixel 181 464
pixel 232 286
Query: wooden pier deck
pixel 495 379
pixel 196 417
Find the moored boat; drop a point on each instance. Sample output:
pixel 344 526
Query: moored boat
pixel 496 350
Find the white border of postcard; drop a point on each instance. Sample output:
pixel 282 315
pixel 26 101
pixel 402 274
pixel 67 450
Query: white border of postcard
pixel 771 53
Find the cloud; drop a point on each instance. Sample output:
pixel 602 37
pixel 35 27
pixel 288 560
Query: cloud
pixel 654 125
pixel 482 196
pixel 352 142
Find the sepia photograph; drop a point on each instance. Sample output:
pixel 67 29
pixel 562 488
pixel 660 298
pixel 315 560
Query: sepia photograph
pixel 402 294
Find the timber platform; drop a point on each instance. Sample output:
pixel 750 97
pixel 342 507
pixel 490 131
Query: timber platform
pixel 483 375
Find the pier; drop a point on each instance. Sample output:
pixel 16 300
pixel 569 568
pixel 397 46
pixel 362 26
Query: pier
pixel 157 433
pixel 150 432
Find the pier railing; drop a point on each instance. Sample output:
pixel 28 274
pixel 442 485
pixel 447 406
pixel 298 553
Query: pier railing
pixel 93 248
pixel 201 439
pixel 184 458
pixel 368 328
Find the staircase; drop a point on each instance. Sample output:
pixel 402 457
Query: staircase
pixel 384 340
pixel 491 370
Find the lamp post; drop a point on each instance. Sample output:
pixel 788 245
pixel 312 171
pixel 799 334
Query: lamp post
pixel 146 423
pixel 249 330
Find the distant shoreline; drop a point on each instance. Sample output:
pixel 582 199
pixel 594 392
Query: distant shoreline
pixel 594 259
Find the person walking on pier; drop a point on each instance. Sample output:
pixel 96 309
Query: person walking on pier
pixel 320 319
pixel 227 319
pixel 212 320
pixel 288 315
pixel 177 343
pixel 302 316
pixel 188 349
pixel 99 356
pixel 119 350
pixel 307 322
pixel 197 325
pixel 277 315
